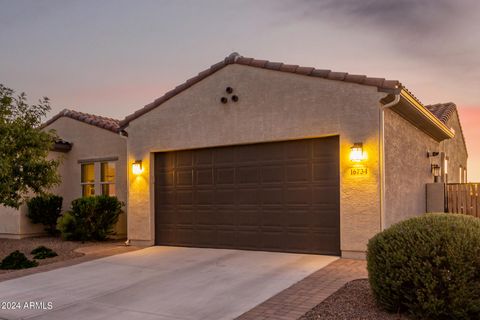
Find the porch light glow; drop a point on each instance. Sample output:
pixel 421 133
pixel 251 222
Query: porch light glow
pixel 356 152
pixel 137 167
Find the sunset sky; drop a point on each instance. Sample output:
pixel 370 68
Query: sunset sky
pixel 112 57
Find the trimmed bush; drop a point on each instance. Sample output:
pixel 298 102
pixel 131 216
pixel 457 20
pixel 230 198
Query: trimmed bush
pixel 43 252
pixel 45 209
pixel 91 218
pixel 17 260
pixel 428 266
pixel 67 226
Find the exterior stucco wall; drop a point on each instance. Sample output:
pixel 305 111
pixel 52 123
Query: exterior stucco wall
pixel 273 106
pixel 89 142
pixel 407 168
pixel 455 150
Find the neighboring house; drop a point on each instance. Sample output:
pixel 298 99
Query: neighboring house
pixel 251 154
pixel 93 162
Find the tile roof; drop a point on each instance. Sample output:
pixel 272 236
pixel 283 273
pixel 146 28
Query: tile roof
pixel 98 121
pixel 235 58
pixel 443 111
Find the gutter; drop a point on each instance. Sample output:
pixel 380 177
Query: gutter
pixel 395 101
pixel 426 113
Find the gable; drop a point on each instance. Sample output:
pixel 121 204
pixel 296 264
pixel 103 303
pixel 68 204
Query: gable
pixel 380 84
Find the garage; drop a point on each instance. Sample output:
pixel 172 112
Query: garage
pixel 279 196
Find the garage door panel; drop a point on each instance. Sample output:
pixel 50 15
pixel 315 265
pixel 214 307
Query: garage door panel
pixel 225 217
pixel 325 195
pixel 203 157
pixel 325 172
pixel 272 174
pixel 281 196
pixel 204 217
pixel 247 196
pixel 204 237
pixel 247 175
pixel 225 197
pixel 185 217
pixel 271 196
pixel 247 239
pixel 272 153
pixel 164 179
pixel 184 178
pixel 225 176
pixel 273 240
pixel 298 196
pixel 184 158
pixel 247 219
pixel 298 172
pixel 273 219
pixel 246 153
pixel 205 197
pixel 326 218
pixel 298 150
pixel 204 177
pixel 184 197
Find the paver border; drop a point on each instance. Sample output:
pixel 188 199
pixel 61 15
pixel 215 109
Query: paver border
pixel 301 297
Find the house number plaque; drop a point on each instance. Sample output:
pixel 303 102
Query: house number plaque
pixel 359 171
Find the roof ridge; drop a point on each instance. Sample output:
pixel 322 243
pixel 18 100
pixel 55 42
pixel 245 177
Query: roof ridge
pixel 235 58
pixel 88 118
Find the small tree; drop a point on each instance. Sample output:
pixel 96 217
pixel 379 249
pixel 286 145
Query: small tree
pixel 24 148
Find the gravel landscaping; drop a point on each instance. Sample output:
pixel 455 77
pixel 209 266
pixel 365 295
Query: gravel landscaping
pixel 352 301
pixel 69 253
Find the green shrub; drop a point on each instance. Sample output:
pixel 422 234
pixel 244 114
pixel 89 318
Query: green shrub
pixel 428 266
pixel 43 252
pixel 91 218
pixel 67 225
pixel 45 209
pixel 17 260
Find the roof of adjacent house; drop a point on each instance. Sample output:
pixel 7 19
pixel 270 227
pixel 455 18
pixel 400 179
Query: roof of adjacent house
pixel 94 120
pixel 235 58
pixel 443 111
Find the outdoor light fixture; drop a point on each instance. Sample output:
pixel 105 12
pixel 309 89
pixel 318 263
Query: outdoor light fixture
pixel 436 171
pixel 356 152
pixel 137 167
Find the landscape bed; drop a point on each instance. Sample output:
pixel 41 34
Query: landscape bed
pixel 353 301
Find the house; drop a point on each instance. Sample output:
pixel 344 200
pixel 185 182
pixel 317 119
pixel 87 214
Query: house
pixel 252 154
pixel 93 161
pixel 260 155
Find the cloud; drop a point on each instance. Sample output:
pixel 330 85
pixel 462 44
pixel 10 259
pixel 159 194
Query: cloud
pixel 442 31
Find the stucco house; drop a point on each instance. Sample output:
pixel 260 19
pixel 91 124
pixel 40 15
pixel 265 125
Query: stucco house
pixel 93 161
pixel 252 154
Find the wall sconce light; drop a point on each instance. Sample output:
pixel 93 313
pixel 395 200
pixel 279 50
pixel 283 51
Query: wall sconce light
pixel 435 172
pixel 432 154
pixel 137 167
pixel 356 152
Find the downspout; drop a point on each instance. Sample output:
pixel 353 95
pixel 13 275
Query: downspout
pixel 395 101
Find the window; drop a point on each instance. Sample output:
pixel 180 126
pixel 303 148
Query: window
pixel 107 180
pixel 88 179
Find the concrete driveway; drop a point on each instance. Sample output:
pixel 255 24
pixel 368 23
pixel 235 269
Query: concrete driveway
pixel 158 283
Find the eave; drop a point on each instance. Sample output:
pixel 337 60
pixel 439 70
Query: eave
pixel 412 110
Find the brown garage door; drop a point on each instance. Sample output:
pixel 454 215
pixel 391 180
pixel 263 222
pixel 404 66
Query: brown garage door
pixel 280 196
